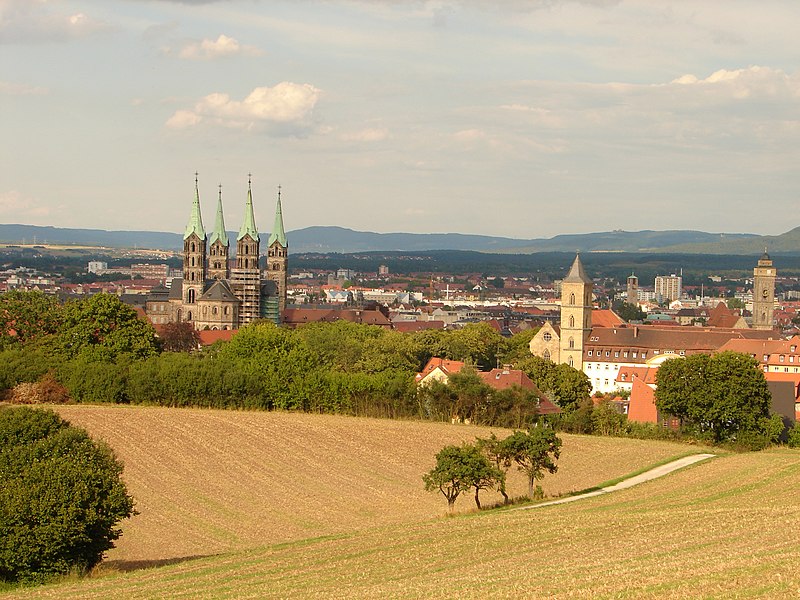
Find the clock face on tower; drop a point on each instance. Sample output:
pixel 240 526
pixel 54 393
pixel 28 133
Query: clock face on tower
pixel 765 293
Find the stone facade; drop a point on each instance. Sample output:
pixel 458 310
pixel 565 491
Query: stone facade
pixel 211 295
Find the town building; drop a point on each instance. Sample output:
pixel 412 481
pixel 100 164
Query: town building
pixel 603 348
pixel 212 294
pixel 763 293
pixel 668 287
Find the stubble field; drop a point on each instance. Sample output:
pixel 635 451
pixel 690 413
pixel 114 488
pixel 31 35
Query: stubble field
pixel 209 481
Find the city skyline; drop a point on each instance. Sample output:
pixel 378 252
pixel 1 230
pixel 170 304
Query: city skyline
pixel 526 120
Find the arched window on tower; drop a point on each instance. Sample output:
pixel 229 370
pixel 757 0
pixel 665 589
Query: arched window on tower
pixel 571 343
pixel 571 321
pixel 570 362
pixel 192 246
pixel 191 298
pixel 572 298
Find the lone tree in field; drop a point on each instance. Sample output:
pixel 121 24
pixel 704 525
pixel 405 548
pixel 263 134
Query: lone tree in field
pixel 61 497
pixel 534 452
pixel 721 395
pixel 459 468
pixel 492 448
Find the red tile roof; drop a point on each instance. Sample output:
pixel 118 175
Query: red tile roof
pixel 605 318
pixel 410 326
pixel 208 337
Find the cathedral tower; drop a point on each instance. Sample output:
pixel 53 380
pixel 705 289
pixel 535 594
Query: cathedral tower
pixel 763 293
pixel 246 277
pixel 277 254
pixel 576 314
pixel 194 257
pixel 219 245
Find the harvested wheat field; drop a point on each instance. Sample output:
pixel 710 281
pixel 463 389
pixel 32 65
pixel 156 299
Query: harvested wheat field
pixel 723 528
pixel 210 481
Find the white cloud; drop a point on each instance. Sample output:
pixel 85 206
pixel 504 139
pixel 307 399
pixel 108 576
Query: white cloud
pixel 746 83
pixel 21 89
pixel 222 47
pixel 33 21
pixel 16 208
pixel 367 135
pixel 287 104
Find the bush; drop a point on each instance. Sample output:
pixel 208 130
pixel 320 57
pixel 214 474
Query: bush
pixel 61 497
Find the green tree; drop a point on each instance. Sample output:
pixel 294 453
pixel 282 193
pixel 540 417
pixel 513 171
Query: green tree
pixel 103 324
pixel 26 316
pixel 534 452
pixel 493 449
pixel 565 385
pixel 629 312
pixel 721 395
pixel 459 468
pixel 518 346
pixel 61 497
pixel 476 343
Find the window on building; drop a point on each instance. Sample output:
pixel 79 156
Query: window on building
pixel 547 337
pixel 589 353
pixel 571 343
pixel 571 321
pixel 572 298
pixel 616 354
pixel 625 354
pixel 781 358
pixel 766 358
pixel 546 355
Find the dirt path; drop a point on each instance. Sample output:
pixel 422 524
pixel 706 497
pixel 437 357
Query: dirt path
pixel 654 473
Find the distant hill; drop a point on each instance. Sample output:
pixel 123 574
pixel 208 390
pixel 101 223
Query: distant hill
pixel 786 243
pixel 342 240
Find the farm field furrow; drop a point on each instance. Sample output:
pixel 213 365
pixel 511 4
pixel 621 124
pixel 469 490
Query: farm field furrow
pixel 723 528
pixel 210 481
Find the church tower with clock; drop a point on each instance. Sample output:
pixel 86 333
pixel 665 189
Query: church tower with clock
pixel 763 293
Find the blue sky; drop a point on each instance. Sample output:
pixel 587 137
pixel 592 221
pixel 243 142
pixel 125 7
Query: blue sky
pixel 518 118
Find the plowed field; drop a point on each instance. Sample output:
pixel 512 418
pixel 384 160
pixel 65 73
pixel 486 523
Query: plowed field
pixel 208 481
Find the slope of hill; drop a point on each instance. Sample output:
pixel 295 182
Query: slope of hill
pixel 786 243
pixel 342 240
pixel 725 528
pixel 213 481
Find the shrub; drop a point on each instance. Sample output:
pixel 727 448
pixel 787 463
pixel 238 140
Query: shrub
pixel 61 498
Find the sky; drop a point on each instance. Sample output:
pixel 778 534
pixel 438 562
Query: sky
pixel 515 118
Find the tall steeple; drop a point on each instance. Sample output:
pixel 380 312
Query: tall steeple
pixel 246 277
pixel 277 255
pixel 576 314
pixel 249 223
pixel 194 259
pixel 219 245
pixel 195 224
pixel 278 234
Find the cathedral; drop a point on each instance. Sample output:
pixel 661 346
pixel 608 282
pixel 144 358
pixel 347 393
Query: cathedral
pixel 216 293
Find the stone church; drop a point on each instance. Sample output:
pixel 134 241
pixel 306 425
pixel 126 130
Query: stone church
pixel 215 292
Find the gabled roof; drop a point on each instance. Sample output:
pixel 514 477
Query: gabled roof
pixel 195 225
pixel 606 318
pixel 577 274
pixel 409 326
pixel 448 367
pixel 722 316
pixel 218 291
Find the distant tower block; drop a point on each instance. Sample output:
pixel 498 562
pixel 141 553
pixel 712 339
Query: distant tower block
pixel 633 289
pixel 763 293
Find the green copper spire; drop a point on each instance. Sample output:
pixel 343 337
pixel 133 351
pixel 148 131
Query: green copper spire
pixel 249 224
pixel 219 226
pixel 278 233
pixel 196 220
